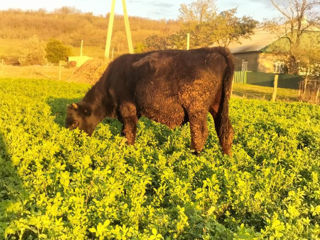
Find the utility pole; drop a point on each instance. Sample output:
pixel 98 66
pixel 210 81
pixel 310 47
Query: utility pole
pixel 110 27
pixel 127 25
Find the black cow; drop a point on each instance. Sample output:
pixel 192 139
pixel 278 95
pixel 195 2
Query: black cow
pixel 171 87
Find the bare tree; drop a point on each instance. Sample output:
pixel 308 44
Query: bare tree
pixel 198 11
pixel 298 16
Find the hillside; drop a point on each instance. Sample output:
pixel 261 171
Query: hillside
pixel 71 26
pixel 61 184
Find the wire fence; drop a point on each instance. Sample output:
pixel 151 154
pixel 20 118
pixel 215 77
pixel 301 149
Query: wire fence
pixel 309 91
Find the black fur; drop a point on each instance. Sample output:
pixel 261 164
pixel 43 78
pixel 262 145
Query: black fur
pixel 171 87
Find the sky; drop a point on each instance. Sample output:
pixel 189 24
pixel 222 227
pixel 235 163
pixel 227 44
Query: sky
pixel 153 9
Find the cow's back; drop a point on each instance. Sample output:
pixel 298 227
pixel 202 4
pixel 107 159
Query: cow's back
pixel 170 82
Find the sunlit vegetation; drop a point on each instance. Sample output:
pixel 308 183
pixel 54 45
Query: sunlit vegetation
pixel 70 27
pixel 61 184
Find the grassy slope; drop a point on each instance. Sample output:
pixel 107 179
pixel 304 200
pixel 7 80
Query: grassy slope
pixel 102 187
pixel 36 72
pixel 15 47
pixel 16 27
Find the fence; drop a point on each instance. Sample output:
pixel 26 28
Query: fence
pixel 240 77
pixel 309 91
pixel 266 79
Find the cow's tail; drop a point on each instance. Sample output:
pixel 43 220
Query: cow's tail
pixel 224 128
pixel 227 79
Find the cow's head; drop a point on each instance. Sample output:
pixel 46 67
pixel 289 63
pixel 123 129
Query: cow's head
pixel 79 115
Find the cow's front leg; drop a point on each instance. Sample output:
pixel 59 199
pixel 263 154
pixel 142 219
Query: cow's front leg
pixel 199 129
pixel 128 117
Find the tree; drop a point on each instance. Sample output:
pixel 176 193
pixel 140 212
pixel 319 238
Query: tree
pixel 210 28
pixel 67 10
pixel 34 52
pixel 156 42
pixel 139 47
pixel 206 28
pixel 226 28
pixel 198 12
pixel 57 51
pixel 308 55
pixel 298 17
pixel 194 16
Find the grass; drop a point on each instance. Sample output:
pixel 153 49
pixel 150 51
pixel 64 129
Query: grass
pixel 260 92
pixel 35 72
pixel 61 184
pixel 14 48
pixel 52 73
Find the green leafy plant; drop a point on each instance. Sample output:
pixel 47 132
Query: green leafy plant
pixel 61 184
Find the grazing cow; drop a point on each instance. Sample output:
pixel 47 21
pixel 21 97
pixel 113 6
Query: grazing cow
pixel 171 87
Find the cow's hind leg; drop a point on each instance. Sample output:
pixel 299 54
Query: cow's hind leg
pixel 198 129
pixel 224 130
pixel 129 119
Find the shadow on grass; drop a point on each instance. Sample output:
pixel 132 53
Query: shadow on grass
pixel 59 108
pixel 11 189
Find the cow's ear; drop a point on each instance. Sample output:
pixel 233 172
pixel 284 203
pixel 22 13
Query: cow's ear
pixel 73 106
pixel 148 61
pixel 140 62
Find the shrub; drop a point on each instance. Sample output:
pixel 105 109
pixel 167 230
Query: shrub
pixel 33 53
pixel 57 51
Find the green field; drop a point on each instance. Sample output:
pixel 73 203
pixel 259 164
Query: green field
pixel 61 184
pixel 265 93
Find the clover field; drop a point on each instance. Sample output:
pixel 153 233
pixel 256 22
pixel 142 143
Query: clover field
pixel 61 184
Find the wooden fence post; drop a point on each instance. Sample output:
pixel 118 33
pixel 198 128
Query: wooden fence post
pixel 188 41
pixel 112 54
pixel 60 70
pixel 305 86
pixel 2 64
pixel 231 88
pixel 81 48
pixel 275 87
